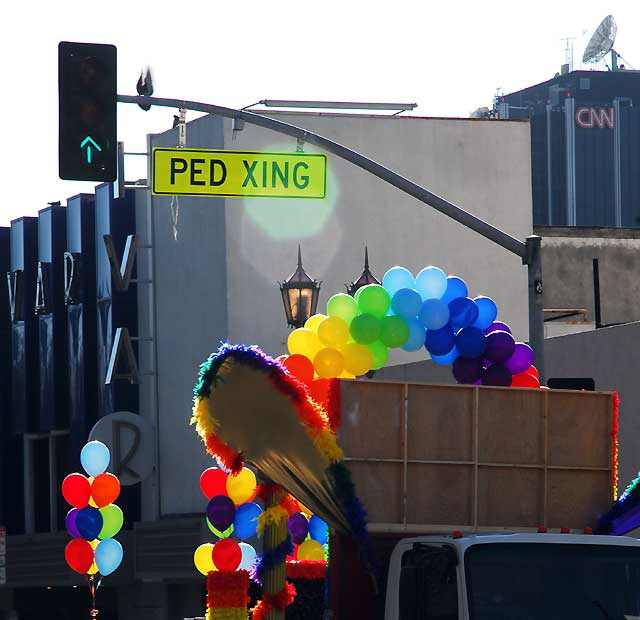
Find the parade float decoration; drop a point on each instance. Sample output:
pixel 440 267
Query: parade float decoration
pixel 94 519
pixel 248 406
pixel 431 311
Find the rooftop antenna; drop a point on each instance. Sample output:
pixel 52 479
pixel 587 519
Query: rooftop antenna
pixel 568 53
pixel 601 43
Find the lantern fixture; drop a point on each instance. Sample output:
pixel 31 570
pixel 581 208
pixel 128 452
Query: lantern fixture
pixel 299 295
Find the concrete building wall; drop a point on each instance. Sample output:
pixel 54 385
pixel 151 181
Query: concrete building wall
pixel 567 268
pixel 482 166
pixel 217 262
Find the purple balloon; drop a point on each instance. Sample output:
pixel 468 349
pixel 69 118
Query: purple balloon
pixel 467 369
pixel 298 527
pixel 221 512
pixel 521 359
pixel 497 374
pixel 497 325
pixel 500 346
pixel 70 523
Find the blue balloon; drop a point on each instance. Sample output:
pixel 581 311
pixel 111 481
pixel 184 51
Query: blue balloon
pixel 416 336
pixel 434 314
pixel 431 283
pixel 487 312
pixel 95 458
pixel 245 522
pixel 406 303
pixel 447 358
pixel 456 287
pixel 108 556
pixel 463 311
pixel 318 530
pixel 471 342
pixel 89 522
pixel 249 556
pixel 397 278
pixel 439 341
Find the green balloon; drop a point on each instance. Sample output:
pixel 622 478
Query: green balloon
pixel 217 532
pixel 112 520
pixel 380 354
pixel 365 328
pixel 343 306
pixel 394 331
pixel 373 299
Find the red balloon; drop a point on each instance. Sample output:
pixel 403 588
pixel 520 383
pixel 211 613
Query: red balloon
pixel 213 481
pixel 227 554
pixel 76 490
pixel 105 489
pixel 532 370
pixel 300 366
pixel 281 358
pixel 79 555
pixel 525 380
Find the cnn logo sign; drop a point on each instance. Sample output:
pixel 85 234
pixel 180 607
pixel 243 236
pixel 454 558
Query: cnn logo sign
pixel 602 118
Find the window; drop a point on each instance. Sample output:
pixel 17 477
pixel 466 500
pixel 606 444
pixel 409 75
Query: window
pixel 428 583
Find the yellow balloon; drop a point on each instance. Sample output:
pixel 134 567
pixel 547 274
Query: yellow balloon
pixel 313 322
pixel 203 558
pixel 241 488
pixel 333 332
pixel 346 375
pixel 357 358
pixel 303 341
pixel 328 363
pixel 93 569
pixel 311 550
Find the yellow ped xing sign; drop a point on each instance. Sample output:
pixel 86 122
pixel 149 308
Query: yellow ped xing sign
pixel 204 172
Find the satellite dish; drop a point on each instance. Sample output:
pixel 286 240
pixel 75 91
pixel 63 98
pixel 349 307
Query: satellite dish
pixel 602 40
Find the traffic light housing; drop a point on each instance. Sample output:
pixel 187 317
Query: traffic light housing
pixel 87 111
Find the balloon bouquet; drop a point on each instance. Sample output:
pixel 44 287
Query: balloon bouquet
pixel 94 519
pixel 431 310
pixel 227 564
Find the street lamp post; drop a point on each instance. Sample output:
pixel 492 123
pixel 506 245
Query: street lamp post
pixel 299 295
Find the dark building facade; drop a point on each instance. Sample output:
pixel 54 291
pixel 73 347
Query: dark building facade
pixel 585 147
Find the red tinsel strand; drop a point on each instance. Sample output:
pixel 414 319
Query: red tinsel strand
pixel 278 601
pixel 614 433
pixel 290 504
pixel 333 404
pixel 267 489
pixel 228 456
pixel 306 569
pixel 227 589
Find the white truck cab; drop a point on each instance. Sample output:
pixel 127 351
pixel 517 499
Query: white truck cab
pixel 520 576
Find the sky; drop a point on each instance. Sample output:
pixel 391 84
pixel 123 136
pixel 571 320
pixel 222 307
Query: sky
pixel 448 57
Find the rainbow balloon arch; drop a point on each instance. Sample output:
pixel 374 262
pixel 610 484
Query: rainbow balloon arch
pixel 431 311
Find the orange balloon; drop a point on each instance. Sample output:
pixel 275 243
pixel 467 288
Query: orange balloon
pixel 525 380
pixel 300 366
pixel 105 489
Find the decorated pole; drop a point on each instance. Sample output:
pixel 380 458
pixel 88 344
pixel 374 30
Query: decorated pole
pixel 275 532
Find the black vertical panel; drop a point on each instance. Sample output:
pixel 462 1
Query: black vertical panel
pixel 11 505
pixel 24 328
pixel 539 176
pixel 629 120
pixel 595 197
pixel 52 320
pixel 558 169
pixel 81 321
pixel 115 217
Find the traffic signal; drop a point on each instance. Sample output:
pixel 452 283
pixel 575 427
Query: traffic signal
pixel 87 111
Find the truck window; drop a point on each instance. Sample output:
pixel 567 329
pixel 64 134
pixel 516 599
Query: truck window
pixel 428 583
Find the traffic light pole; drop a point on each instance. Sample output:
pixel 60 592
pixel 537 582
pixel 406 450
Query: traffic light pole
pixel 529 251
